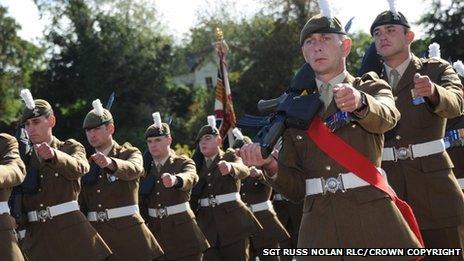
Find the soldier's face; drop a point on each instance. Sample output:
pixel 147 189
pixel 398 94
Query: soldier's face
pixel 392 40
pixel 326 53
pixel 209 144
pixel 39 129
pixel 159 146
pixel 100 136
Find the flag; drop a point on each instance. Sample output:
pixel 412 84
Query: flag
pixel 223 105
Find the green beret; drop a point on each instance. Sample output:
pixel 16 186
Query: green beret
pixel 239 143
pixel 387 17
pixel 207 129
pixel 93 120
pixel 319 24
pixel 153 131
pixel 42 108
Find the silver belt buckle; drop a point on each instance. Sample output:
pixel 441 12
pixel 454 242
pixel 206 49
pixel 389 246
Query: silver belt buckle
pixel 161 212
pixel 403 153
pixel 212 202
pixel 44 214
pixel 332 184
pixel 102 215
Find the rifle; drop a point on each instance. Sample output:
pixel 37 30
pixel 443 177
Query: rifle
pixel 290 110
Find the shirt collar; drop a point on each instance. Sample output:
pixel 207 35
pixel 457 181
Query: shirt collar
pixel 107 150
pixel 400 68
pixel 162 161
pixel 336 80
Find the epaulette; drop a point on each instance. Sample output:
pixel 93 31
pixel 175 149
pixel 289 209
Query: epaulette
pixel 127 145
pixel 70 142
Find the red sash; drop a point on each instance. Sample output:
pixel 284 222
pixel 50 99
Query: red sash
pixel 357 163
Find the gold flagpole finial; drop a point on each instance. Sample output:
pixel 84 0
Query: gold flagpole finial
pixel 219 34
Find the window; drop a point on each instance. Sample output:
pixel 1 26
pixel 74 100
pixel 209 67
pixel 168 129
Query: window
pixel 209 82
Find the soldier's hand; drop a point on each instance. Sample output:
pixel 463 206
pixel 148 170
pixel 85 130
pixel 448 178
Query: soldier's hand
pixel 169 180
pixel 251 155
pixel 255 173
pixel 423 86
pixel 101 160
pixel 347 98
pixel 44 151
pixel 224 167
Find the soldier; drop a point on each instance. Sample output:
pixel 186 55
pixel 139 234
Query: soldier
pixel 222 215
pixel 165 192
pixel 256 194
pixel 56 229
pixel 427 92
pixel 289 214
pixel 12 173
pixel 110 191
pixel 347 202
pixel 454 137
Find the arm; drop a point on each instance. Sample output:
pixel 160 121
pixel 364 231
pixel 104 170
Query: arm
pixel 289 180
pixel 238 170
pixel 188 174
pixel 12 169
pixel 130 168
pixel 71 162
pixel 448 88
pixel 381 113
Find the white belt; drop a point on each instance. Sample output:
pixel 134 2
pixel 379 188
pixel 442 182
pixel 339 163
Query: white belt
pixel 461 183
pixel 111 213
pixel 261 206
pixel 4 207
pixel 167 211
pixel 279 197
pixel 219 199
pixel 413 151
pixel 343 182
pixel 53 211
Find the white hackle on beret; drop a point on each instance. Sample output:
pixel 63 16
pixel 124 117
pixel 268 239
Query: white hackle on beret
pixel 212 121
pixel 157 119
pixel 459 67
pixel 434 50
pixel 392 4
pixel 27 98
pixel 326 11
pixel 98 107
pixel 237 134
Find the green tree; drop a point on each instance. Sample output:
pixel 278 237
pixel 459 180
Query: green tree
pixel 444 24
pixel 18 60
pixel 97 48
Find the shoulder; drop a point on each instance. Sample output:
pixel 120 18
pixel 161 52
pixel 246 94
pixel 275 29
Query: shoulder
pixel 128 147
pixel 181 158
pixel 70 143
pixel 370 80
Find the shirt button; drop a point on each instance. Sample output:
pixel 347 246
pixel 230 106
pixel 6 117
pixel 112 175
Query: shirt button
pixel 327 168
pixel 158 181
pixel 398 137
pixel 209 174
pixel 298 137
pixel 40 189
pixel 243 194
pixel 157 193
pixel 209 184
pixel 100 176
pixel 41 176
pixel 353 126
pixel 99 205
pixel 256 183
pixel 242 184
pixel 56 174
pixel 98 191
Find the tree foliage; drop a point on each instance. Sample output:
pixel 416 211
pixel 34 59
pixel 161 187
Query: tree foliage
pixel 18 60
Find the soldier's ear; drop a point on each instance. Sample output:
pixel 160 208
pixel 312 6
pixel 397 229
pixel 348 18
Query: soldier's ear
pixel 51 120
pixel 346 46
pixel 410 36
pixel 111 128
